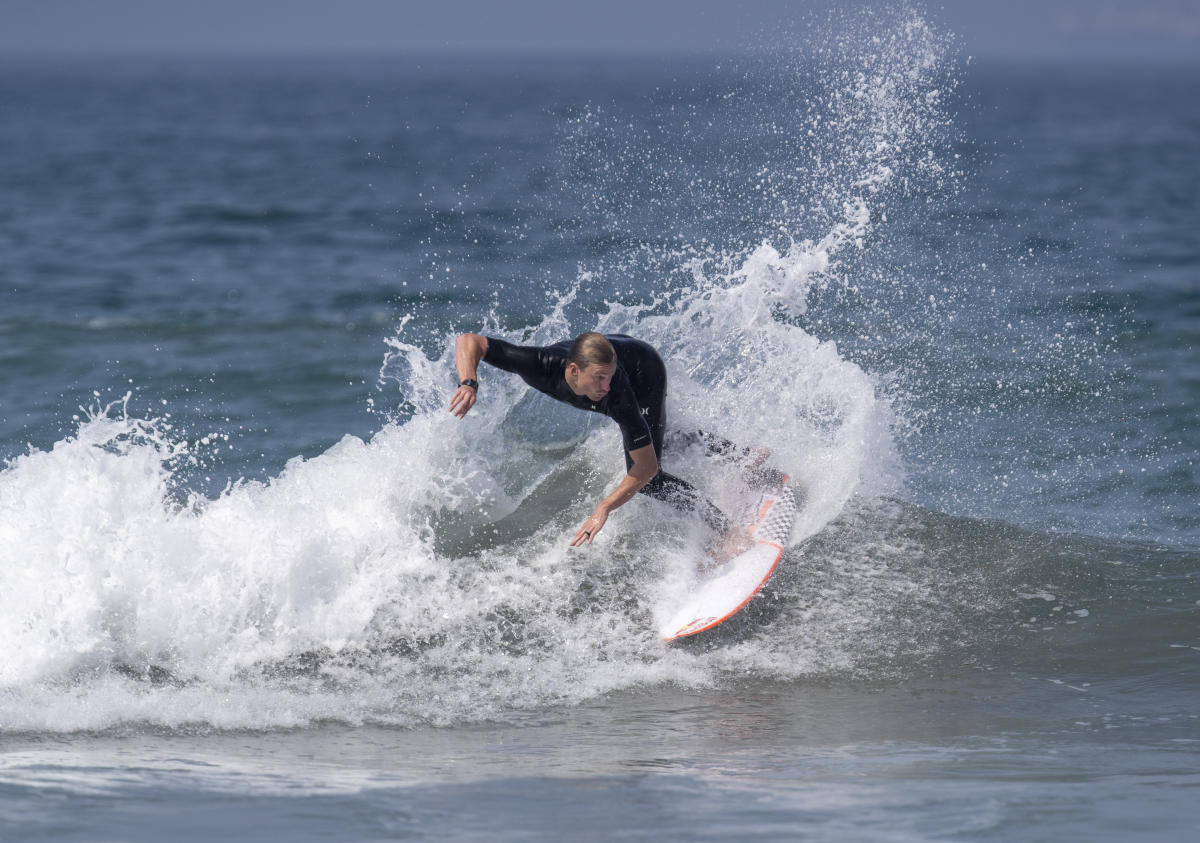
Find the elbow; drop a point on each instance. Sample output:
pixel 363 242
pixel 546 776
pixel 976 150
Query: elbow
pixel 472 344
pixel 645 471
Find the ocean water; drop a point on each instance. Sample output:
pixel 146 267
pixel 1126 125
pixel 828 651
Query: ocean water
pixel 255 581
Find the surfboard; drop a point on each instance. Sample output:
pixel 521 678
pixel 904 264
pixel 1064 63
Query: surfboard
pixel 723 591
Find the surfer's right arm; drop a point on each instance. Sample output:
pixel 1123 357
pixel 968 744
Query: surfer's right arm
pixel 468 351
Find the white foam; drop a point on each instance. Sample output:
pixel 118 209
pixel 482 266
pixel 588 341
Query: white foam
pixel 424 574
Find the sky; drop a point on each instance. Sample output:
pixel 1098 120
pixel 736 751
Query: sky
pixel 983 28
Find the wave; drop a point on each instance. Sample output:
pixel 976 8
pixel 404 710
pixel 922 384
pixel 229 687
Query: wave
pixel 423 576
pixel 364 586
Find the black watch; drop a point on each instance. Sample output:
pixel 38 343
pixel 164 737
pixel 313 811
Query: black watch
pixel 471 382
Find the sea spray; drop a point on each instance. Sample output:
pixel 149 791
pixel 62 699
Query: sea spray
pixel 422 575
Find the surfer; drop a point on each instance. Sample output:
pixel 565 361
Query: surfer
pixel 623 378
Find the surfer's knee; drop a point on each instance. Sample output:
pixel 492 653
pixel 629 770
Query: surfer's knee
pixel 713 517
pixel 683 496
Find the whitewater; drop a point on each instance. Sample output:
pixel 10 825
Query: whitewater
pixel 254 572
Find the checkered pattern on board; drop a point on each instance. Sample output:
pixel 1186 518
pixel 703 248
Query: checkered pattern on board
pixel 777 524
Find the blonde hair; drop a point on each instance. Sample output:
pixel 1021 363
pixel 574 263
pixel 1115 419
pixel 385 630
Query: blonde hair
pixel 592 349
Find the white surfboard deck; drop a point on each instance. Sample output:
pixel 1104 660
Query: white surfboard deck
pixel 722 592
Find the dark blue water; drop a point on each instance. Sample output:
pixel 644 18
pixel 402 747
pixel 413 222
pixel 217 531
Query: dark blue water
pixel 252 573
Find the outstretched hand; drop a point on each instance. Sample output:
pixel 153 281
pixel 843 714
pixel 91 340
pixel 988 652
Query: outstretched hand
pixel 462 401
pixel 587 532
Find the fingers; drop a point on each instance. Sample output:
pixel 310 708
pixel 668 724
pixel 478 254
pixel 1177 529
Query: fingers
pixel 587 533
pixel 583 537
pixel 463 401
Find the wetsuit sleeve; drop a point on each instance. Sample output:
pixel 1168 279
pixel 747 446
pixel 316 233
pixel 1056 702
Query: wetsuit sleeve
pixel 523 360
pixel 635 433
pixel 624 410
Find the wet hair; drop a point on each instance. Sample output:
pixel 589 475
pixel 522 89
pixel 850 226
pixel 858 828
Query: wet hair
pixel 592 349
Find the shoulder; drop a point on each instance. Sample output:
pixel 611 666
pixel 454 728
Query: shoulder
pixel 525 360
pixel 622 400
pixel 503 348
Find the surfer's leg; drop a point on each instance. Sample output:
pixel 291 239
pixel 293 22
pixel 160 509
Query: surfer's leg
pixel 683 496
pixel 754 471
pixel 677 492
pixel 714 446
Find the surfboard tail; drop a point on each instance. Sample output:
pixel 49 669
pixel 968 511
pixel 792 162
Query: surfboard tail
pixel 724 594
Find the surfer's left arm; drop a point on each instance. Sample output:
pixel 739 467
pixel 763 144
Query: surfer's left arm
pixel 643 470
pixel 469 349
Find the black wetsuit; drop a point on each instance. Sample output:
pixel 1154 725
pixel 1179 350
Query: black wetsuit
pixel 636 401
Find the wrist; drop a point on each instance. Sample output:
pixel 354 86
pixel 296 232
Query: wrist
pixel 471 382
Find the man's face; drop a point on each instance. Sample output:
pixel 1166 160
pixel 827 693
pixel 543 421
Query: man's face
pixel 596 380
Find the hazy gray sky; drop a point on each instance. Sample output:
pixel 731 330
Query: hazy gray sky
pixel 1160 28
